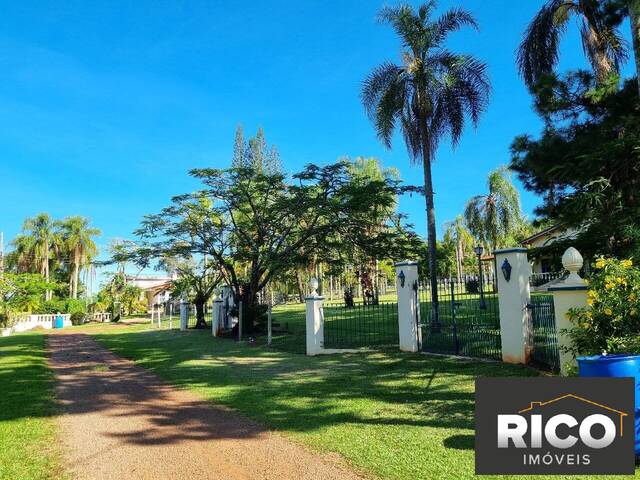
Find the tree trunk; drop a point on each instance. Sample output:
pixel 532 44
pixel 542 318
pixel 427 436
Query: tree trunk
pixel 200 321
pixel 299 284
pixel 602 63
pixel 76 274
pixel 634 16
pixel 47 293
pixel 431 228
pixel 459 261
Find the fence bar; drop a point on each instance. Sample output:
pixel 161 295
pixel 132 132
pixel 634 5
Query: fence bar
pixel 269 325
pixel 240 320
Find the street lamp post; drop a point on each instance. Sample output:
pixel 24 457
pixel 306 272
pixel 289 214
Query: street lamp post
pixel 478 251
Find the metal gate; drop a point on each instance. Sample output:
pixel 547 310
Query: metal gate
pixel 466 321
pixel 360 325
pixel 544 337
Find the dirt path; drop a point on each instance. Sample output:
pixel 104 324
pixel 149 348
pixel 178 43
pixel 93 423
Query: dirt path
pixel 121 422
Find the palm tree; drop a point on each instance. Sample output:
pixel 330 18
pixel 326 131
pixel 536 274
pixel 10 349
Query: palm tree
pixel 539 51
pixel 22 255
pixel 459 233
pixel 36 241
pixel 494 217
pixel 633 7
pixel 429 95
pixel 78 239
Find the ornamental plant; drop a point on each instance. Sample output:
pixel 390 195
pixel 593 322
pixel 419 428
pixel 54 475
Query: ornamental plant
pixel 611 322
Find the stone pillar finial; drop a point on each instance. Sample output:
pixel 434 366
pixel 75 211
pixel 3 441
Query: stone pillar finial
pixel 572 261
pixel 313 283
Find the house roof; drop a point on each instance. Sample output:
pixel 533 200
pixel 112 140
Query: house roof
pixel 542 233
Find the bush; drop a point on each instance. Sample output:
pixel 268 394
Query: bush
pixel 54 305
pixel 77 318
pixel 472 285
pixel 612 323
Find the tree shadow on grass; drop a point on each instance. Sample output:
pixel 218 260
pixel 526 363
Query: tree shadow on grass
pixel 26 383
pixel 298 393
pixel 460 442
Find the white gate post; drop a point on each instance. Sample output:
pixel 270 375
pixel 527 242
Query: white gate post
pixel 184 314
pixel 315 321
pixel 513 298
pixel 408 306
pixel 571 293
pixel 216 316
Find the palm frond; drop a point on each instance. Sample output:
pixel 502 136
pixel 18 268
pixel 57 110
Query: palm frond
pixel 539 51
pixel 451 21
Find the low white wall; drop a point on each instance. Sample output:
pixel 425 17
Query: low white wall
pixel 34 321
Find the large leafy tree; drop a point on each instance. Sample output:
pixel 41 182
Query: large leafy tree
pixel 428 96
pixel 585 165
pixel 78 237
pixel 493 218
pixel 539 51
pixel 255 226
pixel 196 279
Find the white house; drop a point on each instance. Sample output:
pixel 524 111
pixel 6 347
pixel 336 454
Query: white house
pixel 548 263
pixel 156 289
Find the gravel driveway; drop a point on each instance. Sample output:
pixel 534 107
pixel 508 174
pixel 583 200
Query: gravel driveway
pixel 122 422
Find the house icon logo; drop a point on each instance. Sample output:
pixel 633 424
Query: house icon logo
pixel 555 425
pixel 536 406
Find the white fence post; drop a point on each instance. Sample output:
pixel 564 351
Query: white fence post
pixel 315 321
pixel 408 306
pixel 216 316
pixel 184 314
pixel 570 293
pixel 513 299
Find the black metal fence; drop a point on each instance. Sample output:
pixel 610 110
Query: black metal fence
pixel 467 319
pixel 289 333
pixel 544 339
pixel 540 280
pixel 361 326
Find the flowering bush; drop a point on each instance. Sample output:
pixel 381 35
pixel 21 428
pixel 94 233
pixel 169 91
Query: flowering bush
pixel 611 324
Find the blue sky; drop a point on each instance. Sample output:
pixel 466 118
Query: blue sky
pixel 105 105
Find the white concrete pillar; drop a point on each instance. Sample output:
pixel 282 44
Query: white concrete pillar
pixel 216 316
pixel 408 306
pixel 184 314
pixel 513 297
pixel 315 321
pixel 568 294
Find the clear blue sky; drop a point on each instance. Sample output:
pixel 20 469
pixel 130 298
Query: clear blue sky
pixel 105 105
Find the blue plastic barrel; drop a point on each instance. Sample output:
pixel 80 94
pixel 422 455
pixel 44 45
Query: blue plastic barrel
pixel 58 322
pixel 616 365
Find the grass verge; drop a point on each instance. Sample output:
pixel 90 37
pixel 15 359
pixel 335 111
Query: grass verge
pixel 391 415
pixel 27 429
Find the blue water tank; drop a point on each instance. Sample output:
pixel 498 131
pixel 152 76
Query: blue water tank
pixel 58 321
pixel 616 365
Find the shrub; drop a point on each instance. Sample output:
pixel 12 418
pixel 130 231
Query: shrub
pixel 612 323
pixel 54 305
pixel 77 318
pixel 472 285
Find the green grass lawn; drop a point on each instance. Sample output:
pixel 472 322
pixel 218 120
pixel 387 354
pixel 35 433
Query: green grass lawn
pixel 27 408
pixel 392 415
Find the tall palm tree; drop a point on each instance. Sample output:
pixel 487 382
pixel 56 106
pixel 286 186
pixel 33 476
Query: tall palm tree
pixel 494 217
pixel 538 53
pixel 39 231
pixel 78 238
pixel 23 247
pixel 429 95
pixel 457 230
